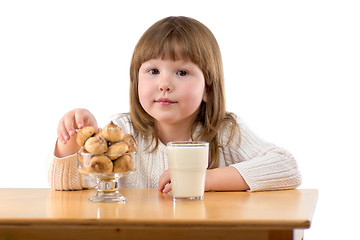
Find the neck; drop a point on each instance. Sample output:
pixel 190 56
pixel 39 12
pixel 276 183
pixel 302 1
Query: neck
pixel 174 132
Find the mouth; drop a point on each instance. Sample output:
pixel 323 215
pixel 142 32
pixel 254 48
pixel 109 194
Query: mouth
pixel 165 101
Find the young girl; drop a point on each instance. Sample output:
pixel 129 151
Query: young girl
pixel 177 93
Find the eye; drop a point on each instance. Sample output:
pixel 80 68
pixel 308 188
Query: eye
pixel 154 71
pixel 182 73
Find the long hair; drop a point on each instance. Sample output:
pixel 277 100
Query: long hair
pixel 188 39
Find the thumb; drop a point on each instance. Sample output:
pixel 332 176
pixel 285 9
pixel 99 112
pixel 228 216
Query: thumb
pixel 167 188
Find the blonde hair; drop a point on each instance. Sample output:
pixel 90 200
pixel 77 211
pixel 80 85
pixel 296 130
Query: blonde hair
pixel 188 39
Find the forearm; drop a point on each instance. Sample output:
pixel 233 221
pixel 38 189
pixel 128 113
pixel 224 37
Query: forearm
pixel 224 179
pixel 69 148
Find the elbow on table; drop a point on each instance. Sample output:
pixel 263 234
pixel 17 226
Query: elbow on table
pixel 285 174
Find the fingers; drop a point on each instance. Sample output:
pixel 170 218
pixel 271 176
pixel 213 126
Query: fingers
pixel 66 128
pixel 165 182
pixel 79 120
pixel 62 135
pixel 84 118
pixel 72 120
pixel 168 188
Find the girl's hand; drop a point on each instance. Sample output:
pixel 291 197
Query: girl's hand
pixel 218 179
pixel 165 182
pixel 75 119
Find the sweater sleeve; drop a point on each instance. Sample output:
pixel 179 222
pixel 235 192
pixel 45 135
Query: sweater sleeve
pixel 263 165
pixel 63 174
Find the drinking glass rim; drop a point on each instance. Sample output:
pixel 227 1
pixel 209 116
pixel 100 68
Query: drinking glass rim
pixel 187 144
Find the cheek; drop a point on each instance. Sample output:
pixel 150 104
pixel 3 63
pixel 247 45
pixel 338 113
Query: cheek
pixel 144 93
pixel 193 95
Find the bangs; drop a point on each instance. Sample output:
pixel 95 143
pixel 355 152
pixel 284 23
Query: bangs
pixel 172 41
pixel 174 49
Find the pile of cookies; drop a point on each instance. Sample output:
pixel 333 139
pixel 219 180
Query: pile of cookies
pixel 107 151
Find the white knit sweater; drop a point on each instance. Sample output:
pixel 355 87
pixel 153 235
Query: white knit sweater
pixel 264 166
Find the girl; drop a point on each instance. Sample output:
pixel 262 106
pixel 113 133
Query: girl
pixel 177 93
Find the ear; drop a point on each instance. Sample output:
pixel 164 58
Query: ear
pixel 204 98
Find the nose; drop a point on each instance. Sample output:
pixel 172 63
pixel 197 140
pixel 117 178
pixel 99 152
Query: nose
pixel 165 88
pixel 165 84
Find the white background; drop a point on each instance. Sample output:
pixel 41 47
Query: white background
pixel 291 70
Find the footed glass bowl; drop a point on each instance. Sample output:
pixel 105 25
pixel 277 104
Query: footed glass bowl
pixel 107 171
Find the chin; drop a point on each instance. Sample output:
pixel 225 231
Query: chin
pixel 165 119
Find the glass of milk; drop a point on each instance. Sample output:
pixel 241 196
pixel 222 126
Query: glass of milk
pixel 188 162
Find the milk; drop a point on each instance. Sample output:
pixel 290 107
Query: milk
pixel 187 163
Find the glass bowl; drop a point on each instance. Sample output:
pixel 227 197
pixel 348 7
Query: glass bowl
pixel 107 171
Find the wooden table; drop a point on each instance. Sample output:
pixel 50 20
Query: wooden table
pixel 149 214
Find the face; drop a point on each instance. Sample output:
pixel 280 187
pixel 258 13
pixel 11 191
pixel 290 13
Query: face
pixel 171 91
